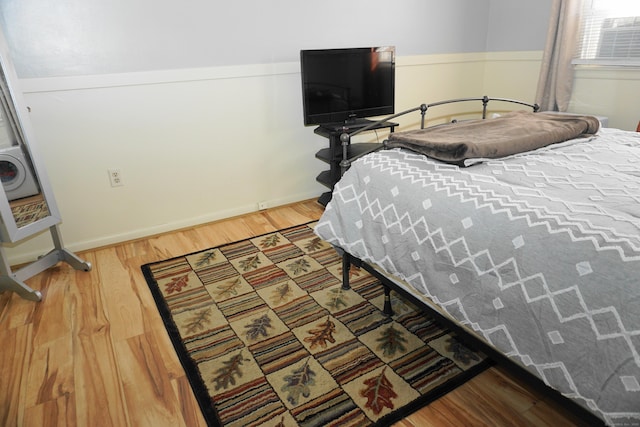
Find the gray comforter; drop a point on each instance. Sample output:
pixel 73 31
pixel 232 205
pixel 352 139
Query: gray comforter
pixel 539 253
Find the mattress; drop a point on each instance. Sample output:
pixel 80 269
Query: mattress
pixel 538 253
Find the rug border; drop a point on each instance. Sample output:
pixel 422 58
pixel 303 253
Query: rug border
pixel 192 373
pixel 199 387
pixel 436 393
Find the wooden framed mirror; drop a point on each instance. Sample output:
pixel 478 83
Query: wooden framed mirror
pixel 27 204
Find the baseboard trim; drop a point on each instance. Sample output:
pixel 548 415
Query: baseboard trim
pixel 142 233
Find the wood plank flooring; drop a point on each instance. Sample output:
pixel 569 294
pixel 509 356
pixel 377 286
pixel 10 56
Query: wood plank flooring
pixel 94 352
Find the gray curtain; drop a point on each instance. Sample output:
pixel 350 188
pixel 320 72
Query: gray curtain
pixel 556 74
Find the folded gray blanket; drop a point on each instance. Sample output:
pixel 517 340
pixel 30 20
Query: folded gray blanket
pixel 511 133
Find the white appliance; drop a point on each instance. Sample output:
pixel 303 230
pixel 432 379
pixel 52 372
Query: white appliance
pixel 15 174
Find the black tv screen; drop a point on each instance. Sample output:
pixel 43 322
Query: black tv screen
pixel 344 85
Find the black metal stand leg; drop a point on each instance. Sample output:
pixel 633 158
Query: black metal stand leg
pixel 346 267
pixel 388 310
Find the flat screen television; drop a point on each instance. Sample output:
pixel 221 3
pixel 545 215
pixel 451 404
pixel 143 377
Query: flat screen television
pixel 347 85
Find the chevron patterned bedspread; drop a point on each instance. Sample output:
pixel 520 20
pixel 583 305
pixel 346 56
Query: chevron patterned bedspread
pixel 539 253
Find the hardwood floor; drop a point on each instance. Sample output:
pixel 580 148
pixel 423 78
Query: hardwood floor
pixel 94 352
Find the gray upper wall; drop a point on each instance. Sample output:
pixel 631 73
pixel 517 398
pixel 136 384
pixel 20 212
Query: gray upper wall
pixel 515 25
pixel 81 37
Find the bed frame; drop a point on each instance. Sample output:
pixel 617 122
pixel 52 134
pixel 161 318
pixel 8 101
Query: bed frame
pixel 466 336
pixel 345 138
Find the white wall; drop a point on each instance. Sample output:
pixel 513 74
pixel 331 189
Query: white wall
pixel 608 91
pixel 193 146
pixel 197 145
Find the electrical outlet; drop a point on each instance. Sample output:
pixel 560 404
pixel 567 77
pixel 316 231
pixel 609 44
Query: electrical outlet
pixel 262 205
pixel 115 177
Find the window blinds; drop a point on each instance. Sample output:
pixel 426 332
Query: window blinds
pixel 610 32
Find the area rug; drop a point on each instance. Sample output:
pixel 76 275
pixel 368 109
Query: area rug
pixel 268 337
pixel 30 210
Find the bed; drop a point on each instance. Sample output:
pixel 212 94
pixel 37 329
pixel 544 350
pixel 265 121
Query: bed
pixel 536 252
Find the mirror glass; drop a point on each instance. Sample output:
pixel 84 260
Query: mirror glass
pixel 17 175
pixel 26 206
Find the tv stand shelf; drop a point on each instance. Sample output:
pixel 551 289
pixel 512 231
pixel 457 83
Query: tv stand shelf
pixel 333 154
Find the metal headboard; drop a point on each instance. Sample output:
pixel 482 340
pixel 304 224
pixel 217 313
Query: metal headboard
pixel 345 138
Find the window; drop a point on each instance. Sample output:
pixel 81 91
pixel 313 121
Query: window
pixel 610 33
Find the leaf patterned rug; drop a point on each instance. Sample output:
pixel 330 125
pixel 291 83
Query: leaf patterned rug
pixel 268 337
pixel 29 210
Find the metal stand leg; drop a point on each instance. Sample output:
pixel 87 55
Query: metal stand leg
pixel 346 267
pixel 8 283
pixel 388 309
pixel 14 281
pixel 65 255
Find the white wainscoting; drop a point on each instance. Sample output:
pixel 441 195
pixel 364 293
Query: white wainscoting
pixel 197 145
pixel 612 92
